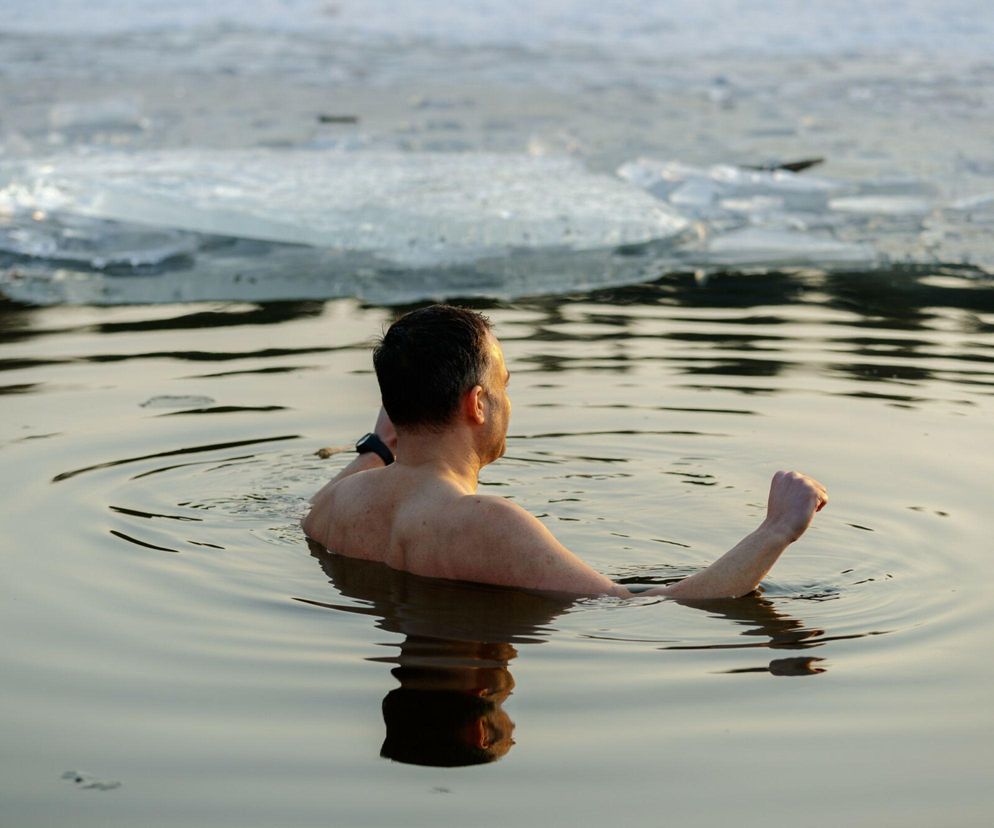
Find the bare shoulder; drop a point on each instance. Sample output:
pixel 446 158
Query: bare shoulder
pixel 336 500
pixel 495 518
pixel 493 505
pixel 516 547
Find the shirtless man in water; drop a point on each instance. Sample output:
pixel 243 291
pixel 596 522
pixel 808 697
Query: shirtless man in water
pixel 410 499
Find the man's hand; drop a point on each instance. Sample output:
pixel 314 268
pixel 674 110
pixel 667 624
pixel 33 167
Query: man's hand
pixel 368 460
pixel 794 499
pixel 385 431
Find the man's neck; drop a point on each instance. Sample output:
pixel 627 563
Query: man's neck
pixel 451 455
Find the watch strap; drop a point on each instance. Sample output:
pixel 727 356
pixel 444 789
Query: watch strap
pixel 372 442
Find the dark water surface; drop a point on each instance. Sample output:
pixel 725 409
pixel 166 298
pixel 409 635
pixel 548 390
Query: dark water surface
pixel 167 627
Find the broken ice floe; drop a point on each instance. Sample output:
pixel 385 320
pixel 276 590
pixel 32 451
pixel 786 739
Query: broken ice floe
pixel 754 218
pixel 259 225
pixel 96 243
pixel 89 782
pixel 406 209
pixel 707 191
pixel 726 196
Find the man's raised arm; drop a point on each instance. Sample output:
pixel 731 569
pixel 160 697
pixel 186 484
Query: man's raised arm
pixel 383 429
pixel 793 500
pixel 521 551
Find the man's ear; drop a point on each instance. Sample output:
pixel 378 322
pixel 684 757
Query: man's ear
pixel 475 404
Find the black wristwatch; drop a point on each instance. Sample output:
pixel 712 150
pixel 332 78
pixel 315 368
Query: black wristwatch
pixel 372 442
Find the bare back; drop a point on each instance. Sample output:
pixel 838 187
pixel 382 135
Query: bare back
pixel 425 524
pixel 387 515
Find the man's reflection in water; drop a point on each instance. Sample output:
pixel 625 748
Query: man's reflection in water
pixel 762 619
pixel 453 662
pixel 459 639
pixel 449 714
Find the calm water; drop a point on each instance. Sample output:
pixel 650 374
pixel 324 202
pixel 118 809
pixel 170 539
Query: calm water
pixel 168 628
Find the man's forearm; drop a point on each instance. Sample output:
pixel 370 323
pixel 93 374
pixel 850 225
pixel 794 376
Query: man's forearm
pixel 735 573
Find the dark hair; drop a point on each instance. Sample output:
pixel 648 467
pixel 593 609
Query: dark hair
pixel 427 360
pixel 429 727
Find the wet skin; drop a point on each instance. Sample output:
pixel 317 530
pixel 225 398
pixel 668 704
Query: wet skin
pixel 422 514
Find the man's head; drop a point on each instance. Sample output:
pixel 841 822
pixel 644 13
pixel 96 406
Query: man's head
pixel 431 359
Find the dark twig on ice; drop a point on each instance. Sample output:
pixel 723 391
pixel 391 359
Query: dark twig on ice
pixel 790 166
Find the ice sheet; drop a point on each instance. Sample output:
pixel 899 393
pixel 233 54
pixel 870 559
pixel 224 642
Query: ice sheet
pixel 702 190
pixel 397 227
pixel 96 243
pixel 411 210
pixel 772 218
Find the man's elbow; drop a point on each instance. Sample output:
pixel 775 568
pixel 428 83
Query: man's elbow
pixel 307 524
pixel 315 522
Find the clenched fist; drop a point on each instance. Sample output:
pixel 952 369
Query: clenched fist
pixel 794 499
